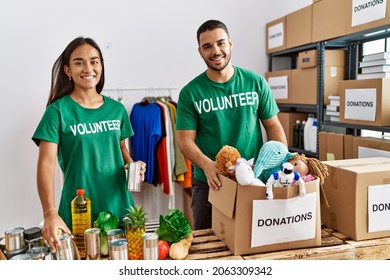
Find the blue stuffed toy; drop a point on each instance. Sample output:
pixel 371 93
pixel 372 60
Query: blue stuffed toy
pixel 271 156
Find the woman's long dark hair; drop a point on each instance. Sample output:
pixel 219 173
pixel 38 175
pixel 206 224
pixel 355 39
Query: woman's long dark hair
pixel 60 83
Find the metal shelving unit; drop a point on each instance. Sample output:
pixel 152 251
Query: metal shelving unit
pixel 352 43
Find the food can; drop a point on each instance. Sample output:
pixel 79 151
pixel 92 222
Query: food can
pixel 65 249
pixel 92 244
pixel 118 249
pixel 14 240
pixel 22 257
pixel 150 246
pixel 115 234
pixel 38 253
pixel 133 177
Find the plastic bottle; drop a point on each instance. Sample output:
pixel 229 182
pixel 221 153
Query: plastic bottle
pixel 313 136
pixel 81 219
pixel 297 127
pixel 306 141
pixel 301 134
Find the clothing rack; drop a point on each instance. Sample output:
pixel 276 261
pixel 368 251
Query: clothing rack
pixel 119 91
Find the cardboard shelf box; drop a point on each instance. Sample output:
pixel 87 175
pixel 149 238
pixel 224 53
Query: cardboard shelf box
pixel 280 84
pixel 298 27
pixel 288 119
pixel 357 191
pixel 365 102
pixel 364 17
pixel 233 218
pixel 276 35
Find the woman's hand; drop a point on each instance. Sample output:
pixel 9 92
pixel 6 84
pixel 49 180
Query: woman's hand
pixel 52 226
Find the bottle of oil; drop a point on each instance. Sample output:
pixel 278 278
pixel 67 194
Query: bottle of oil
pixel 81 219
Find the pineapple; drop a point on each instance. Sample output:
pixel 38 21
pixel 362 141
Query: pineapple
pixel 135 227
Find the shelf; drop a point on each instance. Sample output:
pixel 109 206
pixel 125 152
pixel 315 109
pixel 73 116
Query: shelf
pixel 357 126
pixel 298 108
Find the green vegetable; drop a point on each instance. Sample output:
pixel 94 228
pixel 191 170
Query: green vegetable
pixel 106 221
pixel 173 227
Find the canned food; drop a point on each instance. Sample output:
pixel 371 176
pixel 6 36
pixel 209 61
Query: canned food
pixel 150 246
pixel 38 253
pixel 118 249
pixel 92 243
pixel 14 240
pixel 133 177
pixel 65 250
pixel 115 234
pixel 21 257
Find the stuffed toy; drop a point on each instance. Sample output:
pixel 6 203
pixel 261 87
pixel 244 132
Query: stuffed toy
pixel 309 168
pixel 285 177
pixel 227 157
pixel 271 156
pixel 244 173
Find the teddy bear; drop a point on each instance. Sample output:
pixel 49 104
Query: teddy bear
pixel 225 158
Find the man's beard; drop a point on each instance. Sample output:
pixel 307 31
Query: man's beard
pixel 219 68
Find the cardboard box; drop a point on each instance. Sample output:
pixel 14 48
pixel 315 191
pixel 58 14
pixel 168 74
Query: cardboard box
pixel 308 59
pixel 356 189
pixel 288 122
pixel 329 20
pixel 334 68
pixel 331 146
pixel 304 86
pixel 232 216
pixel 348 146
pixel 366 17
pixel 280 84
pixel 370 147
pixel 2 256
pixel 365 102
pixel 298 27
pixel 276 35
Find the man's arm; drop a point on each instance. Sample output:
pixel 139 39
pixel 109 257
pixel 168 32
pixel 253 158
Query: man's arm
pixel 186 142
pixel 275 130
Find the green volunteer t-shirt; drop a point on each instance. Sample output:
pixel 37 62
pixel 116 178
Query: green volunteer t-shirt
pixel 89 153
pixel 226 113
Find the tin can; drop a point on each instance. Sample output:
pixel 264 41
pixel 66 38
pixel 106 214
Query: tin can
pixel 150 246
pixel 65 250
pixel 133 177
pixel 38 253
pixel 92 244
pixel 115 234
pixel 14 240
pixel 118 249
pixel 22 257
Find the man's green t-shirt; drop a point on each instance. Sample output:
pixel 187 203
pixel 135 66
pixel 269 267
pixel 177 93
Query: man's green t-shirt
pixel 226 113
pixel 89 153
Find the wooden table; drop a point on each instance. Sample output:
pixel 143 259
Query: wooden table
pixel 334 246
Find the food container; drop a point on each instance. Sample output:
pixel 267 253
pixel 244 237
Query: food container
pixel 133 177
pixel 150 246
pixel 118 249
pixel 92 244
pixel 14 240
pixel 38 253
pixel 65 250
pixel 33 237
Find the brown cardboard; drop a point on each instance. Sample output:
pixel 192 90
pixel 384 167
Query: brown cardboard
pixel 329 19
pixel 235 230
pixel 281 73
pixel 187 211
pixel 307 59
pixel 348 146
pixel 298 27
pixel 368 25
pixel 288 122
pixel 332 77
pixel 269 25
pixel 382 86
pixel 346 190
pixel 2 256
pixel 335 146
pixel 304 86
pixel 370 142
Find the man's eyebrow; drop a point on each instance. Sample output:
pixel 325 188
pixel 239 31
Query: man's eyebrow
pixel 79 58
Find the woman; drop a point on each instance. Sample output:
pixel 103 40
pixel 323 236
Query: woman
pixel 86 131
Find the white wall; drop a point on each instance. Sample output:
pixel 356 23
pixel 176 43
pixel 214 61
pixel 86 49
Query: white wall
pixel 147 43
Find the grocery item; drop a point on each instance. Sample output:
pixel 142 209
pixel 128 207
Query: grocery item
pixel 81 219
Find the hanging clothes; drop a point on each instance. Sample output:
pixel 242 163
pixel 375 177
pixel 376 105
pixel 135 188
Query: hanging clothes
pixel 146 122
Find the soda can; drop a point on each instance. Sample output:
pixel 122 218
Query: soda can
pixel 118 249
pixel 92 244
pixel 150 246
pixel 133 177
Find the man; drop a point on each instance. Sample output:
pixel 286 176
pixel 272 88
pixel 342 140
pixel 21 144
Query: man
pixel 221 106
